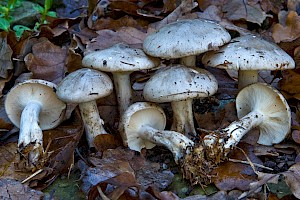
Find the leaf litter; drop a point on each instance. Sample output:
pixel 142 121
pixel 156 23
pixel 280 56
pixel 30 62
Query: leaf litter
pixel 112 171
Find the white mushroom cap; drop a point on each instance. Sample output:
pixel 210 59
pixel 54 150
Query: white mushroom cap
pixel 119 58
pixel 185 38
pixel 137 115
pixel 38 91
pixel 249 52
pixel 272 105
pixel 177 83
pixel 84 85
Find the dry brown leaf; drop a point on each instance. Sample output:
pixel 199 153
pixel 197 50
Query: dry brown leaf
pixel 290 82
pixel 237 10
pixel 289 29
pixel 109 170
pixel 115 24
pixel 103 142
pixel 107 38
pixel 271 5
pixel 12 189
pixel 5 56
pixel 47 61
pixel 203 4
pixel 218 119
pixel 232 175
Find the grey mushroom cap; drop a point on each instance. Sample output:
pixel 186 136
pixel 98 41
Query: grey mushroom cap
pixel 185 38
pixel 272 105
pixel 178 82
pixel 84 85
pixel 41 92
pixel 249 52
pixel 119 58
pixel 136 116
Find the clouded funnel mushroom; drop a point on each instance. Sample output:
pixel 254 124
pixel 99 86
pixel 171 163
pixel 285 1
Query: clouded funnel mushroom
pixel 143 126
pixel 85 86
pixel 248 54
pixel 185 39
pixel 179 85
pixel 258 105
pixel 33 106
pixel 121 60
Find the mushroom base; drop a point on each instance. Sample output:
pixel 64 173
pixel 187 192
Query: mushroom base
pixel 196 167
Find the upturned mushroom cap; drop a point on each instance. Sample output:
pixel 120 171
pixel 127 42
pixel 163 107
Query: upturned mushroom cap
pixel 268 101
pixel 137 115
pixel 119 58
pixel 249 52
pixel 41 92
pixel 84 85
pixel 185 38
pixel 177 83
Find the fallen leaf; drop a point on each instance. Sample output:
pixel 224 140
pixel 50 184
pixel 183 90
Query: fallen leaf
pixel 231 175
pixel 237 10
pixel 271 5
pixel 115 24
pixel 5 56
pixel 288 30
pixel 12 189
pixel 107 38
pixel 291 83
pixel 47 61
pixel 103 142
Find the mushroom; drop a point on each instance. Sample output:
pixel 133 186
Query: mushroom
pixel 33 106
pixel 85 86
pixel 248 54
pixel 143 125
pixel 121 60
pixel 185 39
pixel 179 85
pixel 258 105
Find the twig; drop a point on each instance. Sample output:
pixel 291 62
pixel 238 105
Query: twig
pixel 32 175
pixel 246 162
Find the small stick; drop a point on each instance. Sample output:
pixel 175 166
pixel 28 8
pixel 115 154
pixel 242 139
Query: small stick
pixel 246 162
pixel 32 175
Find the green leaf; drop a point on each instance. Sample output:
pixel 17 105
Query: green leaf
pixel 48 4
pixel 19 30
pixel 39 8
pixel 4 24
pixel 51 14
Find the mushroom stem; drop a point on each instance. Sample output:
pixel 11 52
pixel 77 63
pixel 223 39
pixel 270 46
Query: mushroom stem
pixel 188 61
pixel 123 90
pixel 174 141
pixel 220 143
pixel 183 121
pixel 30 131
pixel 247 77
pixel 93 124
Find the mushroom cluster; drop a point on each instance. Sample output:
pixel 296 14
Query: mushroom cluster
pixel 143 124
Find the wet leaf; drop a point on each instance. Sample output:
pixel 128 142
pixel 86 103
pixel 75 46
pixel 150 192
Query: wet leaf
pixel 47 61
pixel 289 28
pixel 5 57
pixel 12 189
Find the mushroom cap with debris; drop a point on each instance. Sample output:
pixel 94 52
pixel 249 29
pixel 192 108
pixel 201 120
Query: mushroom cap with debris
pixel 185 38
pixel 177 82
pixel 249 52
pixel 84 85
pixel 119 58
